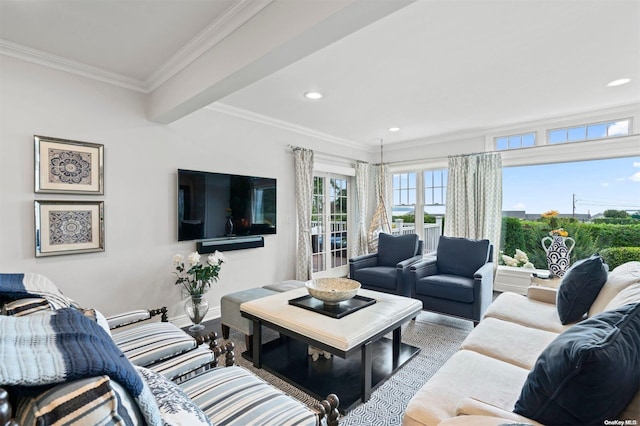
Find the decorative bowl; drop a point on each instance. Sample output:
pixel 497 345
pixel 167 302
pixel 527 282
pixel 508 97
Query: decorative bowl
pixel 332 290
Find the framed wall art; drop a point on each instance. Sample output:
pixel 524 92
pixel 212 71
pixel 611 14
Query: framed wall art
pixel 68 167
pixel 69 227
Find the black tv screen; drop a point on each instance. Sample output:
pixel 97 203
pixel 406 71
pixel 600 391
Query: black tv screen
pixel 217 205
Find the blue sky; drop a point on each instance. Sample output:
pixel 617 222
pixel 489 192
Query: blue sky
pixel 599 185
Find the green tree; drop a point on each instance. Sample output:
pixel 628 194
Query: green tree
pixel 616 213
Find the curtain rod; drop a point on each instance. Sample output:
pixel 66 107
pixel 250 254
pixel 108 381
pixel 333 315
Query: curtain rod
pixel 294 148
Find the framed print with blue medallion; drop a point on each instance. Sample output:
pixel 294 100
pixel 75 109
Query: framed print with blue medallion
pixel 68 167
pixel 69 227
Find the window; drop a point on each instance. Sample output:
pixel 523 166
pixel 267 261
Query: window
pixel 404 189
pixel 415 192
pixel 571 196
pixel 435 187
pixel 592 131
pixel 525 140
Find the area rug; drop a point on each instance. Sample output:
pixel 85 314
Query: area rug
pixel 438 336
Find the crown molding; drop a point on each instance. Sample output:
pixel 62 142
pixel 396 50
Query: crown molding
pixel 39 57
pixel 263 119
pixel 234 17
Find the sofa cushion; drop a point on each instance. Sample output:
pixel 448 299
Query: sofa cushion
pixel 580 287
pixel 450 287
pixel 588 374
pixel 26 306
pixel 619 279
pixel 392 250
pixel 466 374
pixel 508 341
pixel 627 296
pixel 530 313
pixel 461 256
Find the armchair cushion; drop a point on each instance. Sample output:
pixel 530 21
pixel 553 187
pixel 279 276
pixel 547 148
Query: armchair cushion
pixel 461 256
pixel 152 342
pixel 392 250
pixel 587 374
pixel 378 276
pixel 580 287
pixel 451 287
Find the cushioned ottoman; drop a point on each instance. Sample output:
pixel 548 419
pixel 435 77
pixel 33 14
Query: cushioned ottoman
pixel 230 311
pixel 284 285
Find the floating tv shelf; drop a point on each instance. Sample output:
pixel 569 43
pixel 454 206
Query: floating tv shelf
pixel 230 243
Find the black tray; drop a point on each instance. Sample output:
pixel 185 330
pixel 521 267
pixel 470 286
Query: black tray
pixel 334 311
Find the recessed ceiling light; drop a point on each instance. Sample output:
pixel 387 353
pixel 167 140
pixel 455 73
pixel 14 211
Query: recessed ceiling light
pixel 313 95
pixel 394 129
pixel 619 82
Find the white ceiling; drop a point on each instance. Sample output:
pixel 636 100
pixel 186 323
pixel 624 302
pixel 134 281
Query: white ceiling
pixel 431 68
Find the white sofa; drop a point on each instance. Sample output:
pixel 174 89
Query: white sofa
pixel 484 379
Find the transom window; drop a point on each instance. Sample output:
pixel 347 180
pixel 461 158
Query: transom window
pixel 524 140
pixel 585 132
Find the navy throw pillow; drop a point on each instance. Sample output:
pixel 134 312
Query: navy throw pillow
pixel 587 374
pixel 392 250
pixel 579 288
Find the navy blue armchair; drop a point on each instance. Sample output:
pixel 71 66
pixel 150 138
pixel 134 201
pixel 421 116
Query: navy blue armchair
pixel 388 269
pixel 458 281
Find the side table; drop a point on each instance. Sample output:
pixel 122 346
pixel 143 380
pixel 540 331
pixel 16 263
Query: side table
pixel 545 281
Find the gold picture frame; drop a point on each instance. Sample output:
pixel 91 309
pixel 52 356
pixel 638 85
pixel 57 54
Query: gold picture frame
pixel 68 167
pixel 68 227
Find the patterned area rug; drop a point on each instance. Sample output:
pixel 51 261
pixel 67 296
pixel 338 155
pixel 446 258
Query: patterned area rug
pixel 438 336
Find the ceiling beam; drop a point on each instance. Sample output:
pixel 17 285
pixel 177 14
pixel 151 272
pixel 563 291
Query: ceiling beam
pixel 282 33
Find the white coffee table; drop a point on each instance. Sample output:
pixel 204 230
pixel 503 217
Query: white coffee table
pixel 366 357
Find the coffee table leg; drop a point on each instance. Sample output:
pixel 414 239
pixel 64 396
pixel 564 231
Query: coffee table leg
pixel 257 344
pixel 397 338
pixel 367 367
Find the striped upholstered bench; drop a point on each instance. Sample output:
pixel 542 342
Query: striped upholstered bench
pixel 234 396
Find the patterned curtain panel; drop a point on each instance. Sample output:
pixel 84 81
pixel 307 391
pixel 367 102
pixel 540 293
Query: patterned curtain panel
pixel 362 191
pixel 474 197
pixel 303 160
pixel 380 221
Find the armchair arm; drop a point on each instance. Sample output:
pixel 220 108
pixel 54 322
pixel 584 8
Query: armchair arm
pixel 132 317
pixel 472 406
pixel 485 270
pixel 364 261
pixel 483 290
pixel 408 262
pixel 423 268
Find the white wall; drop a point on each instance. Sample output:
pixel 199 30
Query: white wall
pixel 141 159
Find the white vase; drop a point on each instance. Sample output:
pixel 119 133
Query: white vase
pixel 558 254
pixel 196 308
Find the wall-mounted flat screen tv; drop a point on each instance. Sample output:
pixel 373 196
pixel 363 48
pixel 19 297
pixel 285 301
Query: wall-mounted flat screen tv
pixel 217 205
